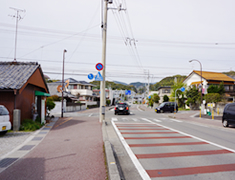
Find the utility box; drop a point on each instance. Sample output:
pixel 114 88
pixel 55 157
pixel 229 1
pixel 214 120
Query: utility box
pixel 16 119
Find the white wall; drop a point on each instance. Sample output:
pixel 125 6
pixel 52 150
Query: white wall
pixel 57 109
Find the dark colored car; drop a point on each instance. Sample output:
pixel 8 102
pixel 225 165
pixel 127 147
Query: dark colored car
pixel 228 115
pixel 167 107
pixel 122 108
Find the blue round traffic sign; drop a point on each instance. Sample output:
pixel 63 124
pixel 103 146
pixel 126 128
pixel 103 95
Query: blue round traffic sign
pixel 90 76
pixel 99 66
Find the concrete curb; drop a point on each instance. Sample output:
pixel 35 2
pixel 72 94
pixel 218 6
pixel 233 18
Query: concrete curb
pixel 110 159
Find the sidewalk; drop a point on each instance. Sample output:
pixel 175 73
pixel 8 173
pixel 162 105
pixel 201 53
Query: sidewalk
pixel 72 149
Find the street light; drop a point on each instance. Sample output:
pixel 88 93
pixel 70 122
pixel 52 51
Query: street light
pixel 201 74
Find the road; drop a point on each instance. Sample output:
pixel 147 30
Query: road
pixel 163 147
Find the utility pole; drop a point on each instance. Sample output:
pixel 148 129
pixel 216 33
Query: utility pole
pixel 102 83
pixel 104 40
pixel 62 99
pixel 148 82
pixel 18 17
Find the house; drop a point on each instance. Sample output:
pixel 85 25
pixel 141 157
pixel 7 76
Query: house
pixel 23 87
pixel 74 91
pixel 162 91
pixel 210 78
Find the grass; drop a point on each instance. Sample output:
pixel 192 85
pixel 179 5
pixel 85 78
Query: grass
pixel 30 125
pixel 182 109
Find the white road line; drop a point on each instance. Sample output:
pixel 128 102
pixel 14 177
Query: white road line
pixel 90 115
pixel 139 108
pixel 176 120
pixel 124 119
pixel 134 159
pixel 200 139
pixel 114 119
pixel 157 120
pixel 134 119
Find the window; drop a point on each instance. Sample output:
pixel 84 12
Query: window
pixel 166 91
pixel 226 88
pixel 3 111
pixel 71 86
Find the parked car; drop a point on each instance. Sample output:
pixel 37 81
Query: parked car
pixel 167 107
pixel 122 108
pixel 228 115
pixel 5 123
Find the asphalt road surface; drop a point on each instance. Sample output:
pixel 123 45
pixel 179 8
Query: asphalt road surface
pixel 163 147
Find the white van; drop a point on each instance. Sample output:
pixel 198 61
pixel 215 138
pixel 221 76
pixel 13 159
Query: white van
pixel 5 123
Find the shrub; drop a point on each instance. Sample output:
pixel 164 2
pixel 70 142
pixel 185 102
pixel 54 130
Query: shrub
pixel 108 101
pixel 30 125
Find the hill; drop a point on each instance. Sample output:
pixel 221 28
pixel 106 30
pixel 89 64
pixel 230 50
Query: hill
pixel 137 84
pixel 114 86
pixel 167 81
pixel 230 74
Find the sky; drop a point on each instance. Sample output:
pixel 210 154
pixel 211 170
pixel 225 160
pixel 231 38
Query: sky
pixel 146 40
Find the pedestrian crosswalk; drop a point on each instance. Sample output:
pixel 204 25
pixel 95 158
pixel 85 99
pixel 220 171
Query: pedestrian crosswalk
pixel 139 119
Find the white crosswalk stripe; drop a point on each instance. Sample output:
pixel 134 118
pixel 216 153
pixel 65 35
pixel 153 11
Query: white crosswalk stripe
pixel 157 120
pixel 146 119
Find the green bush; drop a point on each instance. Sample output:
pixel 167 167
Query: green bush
pixel 30 125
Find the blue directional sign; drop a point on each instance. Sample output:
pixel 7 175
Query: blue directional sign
pixel 182 89
pixel 90 76
pixel 127 92
pixel 98 77
pixel 149 97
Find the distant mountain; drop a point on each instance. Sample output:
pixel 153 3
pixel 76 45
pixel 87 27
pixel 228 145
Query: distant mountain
pixel 137 84
pixel 118 82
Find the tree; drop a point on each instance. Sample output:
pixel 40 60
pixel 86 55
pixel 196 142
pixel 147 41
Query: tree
pixel 165 98
pixel 216 89
pixel 49 105
pixel 155 98
pixel 193 97
pixel 179 94
pixel 212 97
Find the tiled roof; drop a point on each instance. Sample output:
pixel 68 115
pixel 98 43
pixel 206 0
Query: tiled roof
pixel 13 75
pixel 74 81
pixel 214 76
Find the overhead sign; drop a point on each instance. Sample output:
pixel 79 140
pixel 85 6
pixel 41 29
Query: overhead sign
pixel 98 77
pixel 90 76
pixel 99 66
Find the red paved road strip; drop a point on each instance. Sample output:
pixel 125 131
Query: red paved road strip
pixel 143 129
pixel 149 132
pixel 167 144
pixel 137 126
pixel 190 170
pixel 180 154
pixel 170 137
